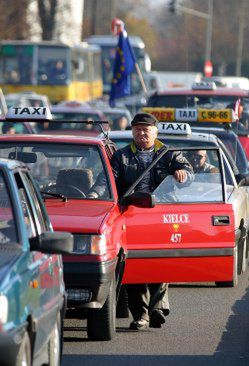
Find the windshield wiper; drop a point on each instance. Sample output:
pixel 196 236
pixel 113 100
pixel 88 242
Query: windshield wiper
pixel 58 195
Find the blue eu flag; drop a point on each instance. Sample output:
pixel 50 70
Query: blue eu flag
pixel 123 66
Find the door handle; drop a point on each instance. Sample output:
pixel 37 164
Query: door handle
pixel 221 220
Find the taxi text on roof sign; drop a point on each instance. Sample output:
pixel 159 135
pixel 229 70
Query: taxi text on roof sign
pixel 29 114
pixel 188 115
pixel 204 85
pixel 174 128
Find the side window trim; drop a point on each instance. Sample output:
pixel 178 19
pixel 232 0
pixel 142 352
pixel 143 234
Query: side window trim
pixel 34 213
pixel 21 185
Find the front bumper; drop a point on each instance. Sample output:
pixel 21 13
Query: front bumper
pixel 94 277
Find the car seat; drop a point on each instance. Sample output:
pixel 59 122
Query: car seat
pixel 74 182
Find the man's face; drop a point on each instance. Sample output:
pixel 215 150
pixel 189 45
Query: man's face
pixel 144 135
pixel 197 159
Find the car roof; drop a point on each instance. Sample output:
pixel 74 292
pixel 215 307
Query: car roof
pixel 195 136
pixel 10 164
pixel 84 139
pixel 218 91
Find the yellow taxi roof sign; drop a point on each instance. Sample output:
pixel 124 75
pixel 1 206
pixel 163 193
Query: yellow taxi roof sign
pixel 226 115
pixel 162 114
pixel 28 114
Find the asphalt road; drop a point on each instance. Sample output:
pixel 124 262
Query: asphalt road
pixel 207 326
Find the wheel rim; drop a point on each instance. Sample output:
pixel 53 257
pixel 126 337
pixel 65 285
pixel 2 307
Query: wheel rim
pixel 56 345
pixel 25 359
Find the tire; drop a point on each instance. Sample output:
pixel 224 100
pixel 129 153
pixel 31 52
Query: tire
pixel 122 304
pixel 55 344
pixel 24 354
pixel 101 323
pixel 234 281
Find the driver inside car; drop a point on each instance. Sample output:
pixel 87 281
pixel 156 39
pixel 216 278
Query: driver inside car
pixel 198 160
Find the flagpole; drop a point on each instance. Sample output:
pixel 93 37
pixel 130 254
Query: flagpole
pixel 141 78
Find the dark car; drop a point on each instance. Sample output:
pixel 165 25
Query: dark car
pixel 32 291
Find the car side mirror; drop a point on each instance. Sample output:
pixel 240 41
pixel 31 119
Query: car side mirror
pixel 52 242
pixel 139 199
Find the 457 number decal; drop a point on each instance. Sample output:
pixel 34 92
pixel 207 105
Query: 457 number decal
pixel 176 238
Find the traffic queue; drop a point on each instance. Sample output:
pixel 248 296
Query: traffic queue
pixel 190 226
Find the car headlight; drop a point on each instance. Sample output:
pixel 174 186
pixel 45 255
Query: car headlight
pixel 89 244
pixel 3 309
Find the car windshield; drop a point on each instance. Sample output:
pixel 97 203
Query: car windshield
pixel 64 169
pixel 8 232
pixel 204 188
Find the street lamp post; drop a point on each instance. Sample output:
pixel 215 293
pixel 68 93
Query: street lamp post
pixel 208 16
pixel 240 38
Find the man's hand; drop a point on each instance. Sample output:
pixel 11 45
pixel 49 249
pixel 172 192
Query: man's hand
pixel 180 175
pixel 92 195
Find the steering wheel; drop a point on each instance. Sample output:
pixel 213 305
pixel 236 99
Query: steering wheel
pixel 67 188
pixel 48 187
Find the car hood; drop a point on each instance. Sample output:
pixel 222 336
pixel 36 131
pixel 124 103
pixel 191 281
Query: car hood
pixel 77 215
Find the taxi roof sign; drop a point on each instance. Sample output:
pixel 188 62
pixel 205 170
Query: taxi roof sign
pixel 216 115
pixel 226 115
pixel 28 114
pixel 204 85
pixel 174 128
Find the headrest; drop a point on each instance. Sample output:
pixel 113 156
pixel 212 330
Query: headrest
pixel 78 177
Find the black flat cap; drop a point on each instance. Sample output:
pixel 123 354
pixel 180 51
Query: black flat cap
pixel 145 119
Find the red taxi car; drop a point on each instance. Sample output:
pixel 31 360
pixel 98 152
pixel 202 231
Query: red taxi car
pixel 187 233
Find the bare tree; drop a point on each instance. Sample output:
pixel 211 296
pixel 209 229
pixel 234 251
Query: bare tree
pixel 47 12
pixel 13 19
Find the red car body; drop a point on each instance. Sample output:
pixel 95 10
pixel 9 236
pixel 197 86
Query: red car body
pixel 142 231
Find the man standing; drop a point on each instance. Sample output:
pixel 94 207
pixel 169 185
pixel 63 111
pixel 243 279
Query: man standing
pixel 148 303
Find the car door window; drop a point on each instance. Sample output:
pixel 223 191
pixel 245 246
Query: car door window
pixel 8 231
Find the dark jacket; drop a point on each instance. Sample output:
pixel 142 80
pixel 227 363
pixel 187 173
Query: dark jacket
pixel 126 167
